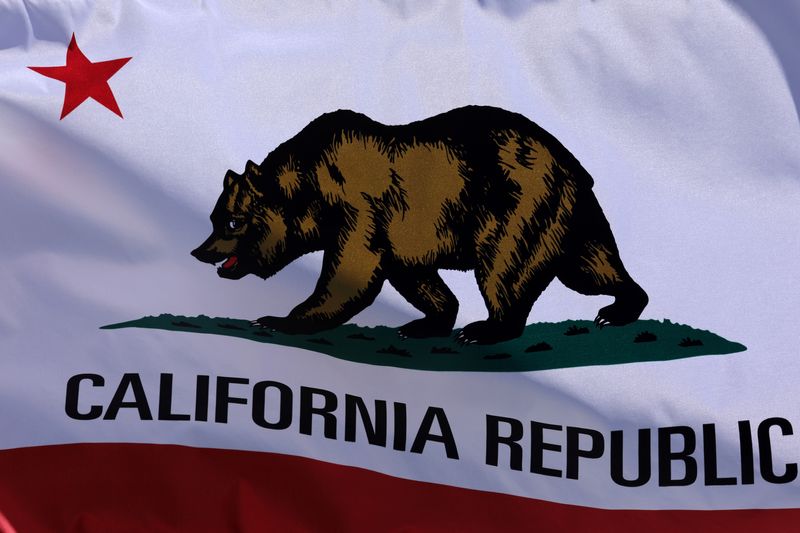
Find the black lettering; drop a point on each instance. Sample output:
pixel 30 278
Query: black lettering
pixel 376 432
pixel 575 452
pixel 165 400
pixel 710 458
pixel 435 414
pixel 765 451
pixel 134 382
pixel 400 421
pixel 538 447
pixel 617 466
pixel 746 452
pixel 307 410
pixel 494 440
pixel 260 405
pixel 73 390
pixel 224 397
pixel 201 399
pixel 666 456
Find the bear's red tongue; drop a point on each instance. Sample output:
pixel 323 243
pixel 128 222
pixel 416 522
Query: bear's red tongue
pixel 230 263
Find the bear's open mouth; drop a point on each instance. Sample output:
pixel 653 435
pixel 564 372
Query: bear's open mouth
pixel 229 264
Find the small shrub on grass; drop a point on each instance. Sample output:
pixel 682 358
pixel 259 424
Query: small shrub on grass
pixel 687 342
pixel 538 347
pixel 645 336
pixel 575 330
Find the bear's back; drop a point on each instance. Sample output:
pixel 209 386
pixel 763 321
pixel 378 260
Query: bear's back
pixel 482 135
pixel 480 138
pixel 431 183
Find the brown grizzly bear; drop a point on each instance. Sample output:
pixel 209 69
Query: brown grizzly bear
pixel 476 188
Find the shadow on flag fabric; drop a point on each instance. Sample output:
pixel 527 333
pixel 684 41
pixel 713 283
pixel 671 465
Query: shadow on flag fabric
pixel 464 266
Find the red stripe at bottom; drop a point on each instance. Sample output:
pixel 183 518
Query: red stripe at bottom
pixel 146 487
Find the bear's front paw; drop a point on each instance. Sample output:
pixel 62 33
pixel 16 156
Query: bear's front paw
pixel 425 327
pixel 486 332
pixel 277 323
pixel 273 323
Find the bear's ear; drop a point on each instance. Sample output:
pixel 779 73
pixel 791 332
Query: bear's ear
pixel 230 178
pixel 251 169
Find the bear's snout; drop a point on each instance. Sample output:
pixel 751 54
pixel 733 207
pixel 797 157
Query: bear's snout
pixel 210 252
pixel 205 256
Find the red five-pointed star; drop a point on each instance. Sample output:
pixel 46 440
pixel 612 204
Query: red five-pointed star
pixel 84 79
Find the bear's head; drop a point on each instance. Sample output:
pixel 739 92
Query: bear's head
pixel 262 222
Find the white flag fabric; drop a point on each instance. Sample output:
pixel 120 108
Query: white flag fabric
pixel 525 264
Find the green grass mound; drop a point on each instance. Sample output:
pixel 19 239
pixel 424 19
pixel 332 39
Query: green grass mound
pixel 542 346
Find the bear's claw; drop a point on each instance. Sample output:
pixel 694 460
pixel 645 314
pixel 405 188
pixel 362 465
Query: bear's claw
pixel 601 322
pixel 626 308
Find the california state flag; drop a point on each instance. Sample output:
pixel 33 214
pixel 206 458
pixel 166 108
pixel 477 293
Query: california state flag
pixel 413 266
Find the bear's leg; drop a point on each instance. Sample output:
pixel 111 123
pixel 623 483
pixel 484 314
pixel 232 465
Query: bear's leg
pixel 511 278
pixel 509 301
pixel 597 269
pixel 593 266
pixel 350 280
pixel 425 290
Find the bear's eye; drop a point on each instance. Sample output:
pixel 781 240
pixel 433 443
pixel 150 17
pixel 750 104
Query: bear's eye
pixel 234 223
